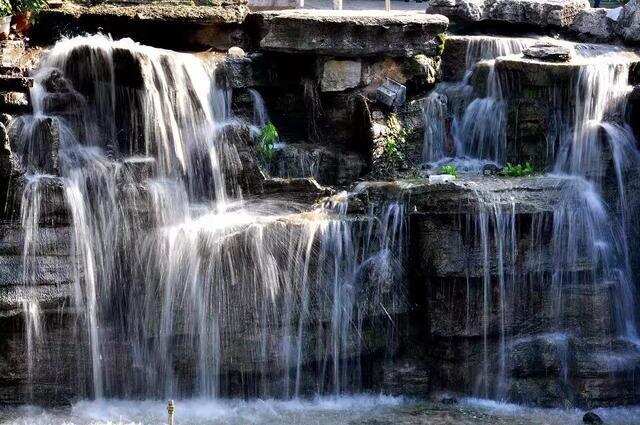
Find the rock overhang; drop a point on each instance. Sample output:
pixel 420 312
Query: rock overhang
pixel 345 33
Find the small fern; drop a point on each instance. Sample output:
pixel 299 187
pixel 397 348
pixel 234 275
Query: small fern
pixel 518 170
pixel 268 138
pixel 451 170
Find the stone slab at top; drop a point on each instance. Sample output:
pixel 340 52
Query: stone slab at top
pixel 218 12
pixel 353 33
pixel 532 13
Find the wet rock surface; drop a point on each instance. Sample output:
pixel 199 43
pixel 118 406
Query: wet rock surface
pixel 548 52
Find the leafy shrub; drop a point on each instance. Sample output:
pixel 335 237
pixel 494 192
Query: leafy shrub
pixel 268 138
pixel 451 170
pixel 518 170
pixel 21 6
pixel 394 140
pixel 5 8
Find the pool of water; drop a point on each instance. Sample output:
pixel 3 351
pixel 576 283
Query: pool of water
pixel 369 410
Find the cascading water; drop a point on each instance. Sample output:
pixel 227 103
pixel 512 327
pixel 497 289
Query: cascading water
pixel 183 287
pixel 589 234
pixel 455 114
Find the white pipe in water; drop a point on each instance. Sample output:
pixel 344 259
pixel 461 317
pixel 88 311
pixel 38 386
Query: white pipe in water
pixel 171 408
pixel 337 4
pixel 387 5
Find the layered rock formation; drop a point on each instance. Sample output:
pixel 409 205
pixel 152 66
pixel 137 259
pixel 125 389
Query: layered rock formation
pixel 490 303
pixel 538 13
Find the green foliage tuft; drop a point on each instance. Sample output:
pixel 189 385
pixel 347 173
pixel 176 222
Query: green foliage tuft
pixel 518 170
pixel 451 170
pixel 394 140
pixel 21 6
pixel 5 8
pixel 442 39
pixel 268 138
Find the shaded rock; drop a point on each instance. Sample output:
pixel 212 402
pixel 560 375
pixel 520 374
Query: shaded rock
pixel 592 418
pixel 353 33
pixel 339 75
pixel 306 190
pixel 36 141
pixel 548 52
pixel 218 25
pixel 328 165
pixel 241 72
pixel 418 72
pixel 449 401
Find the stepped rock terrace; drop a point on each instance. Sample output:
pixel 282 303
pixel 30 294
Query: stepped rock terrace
pixel 245 217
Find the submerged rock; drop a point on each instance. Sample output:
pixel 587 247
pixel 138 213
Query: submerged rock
pixel 592 418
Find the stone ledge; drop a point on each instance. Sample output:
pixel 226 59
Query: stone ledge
pixel 178 27
pixel 528 194
pixel 219 12
pixel 532 13
pixel 353 33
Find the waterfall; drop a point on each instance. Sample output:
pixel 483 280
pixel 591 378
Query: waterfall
pixel 588 251
pixel 185 287
pixel 455 115
pixel 260 114
pixel 599 125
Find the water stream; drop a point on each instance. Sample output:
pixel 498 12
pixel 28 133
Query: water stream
pixel 189 284
pixel 197 283
pixel 589 234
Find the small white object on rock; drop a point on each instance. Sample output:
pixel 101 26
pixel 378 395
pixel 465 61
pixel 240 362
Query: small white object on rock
pixel 441 178
pixel 236 52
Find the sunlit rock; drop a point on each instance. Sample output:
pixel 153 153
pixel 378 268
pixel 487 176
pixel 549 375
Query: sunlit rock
pixel 353 33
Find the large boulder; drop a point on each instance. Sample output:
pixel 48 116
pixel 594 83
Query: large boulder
pixel 538 13
pixel 465 10
pixel 628 23
pixel 353 33
pixel 594 25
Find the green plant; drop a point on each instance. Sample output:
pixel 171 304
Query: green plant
pixel 5 8
pixel 518 170
pixel 22 6
pixel 442 40
pixel 268 138
pixel 394 140
pixel 451 170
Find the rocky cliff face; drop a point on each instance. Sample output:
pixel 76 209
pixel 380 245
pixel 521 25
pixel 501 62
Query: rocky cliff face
pixel 471 286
